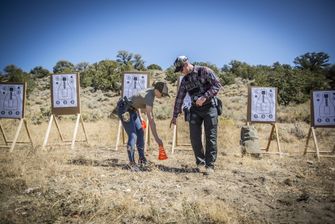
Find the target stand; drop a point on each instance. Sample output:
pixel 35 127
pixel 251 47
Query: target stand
pixel 322 116
pixel 262 105
pixel 65 100
pixel 22 122
pixel 53 119
pixel 12 107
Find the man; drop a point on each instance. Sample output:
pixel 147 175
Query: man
pixel 202 85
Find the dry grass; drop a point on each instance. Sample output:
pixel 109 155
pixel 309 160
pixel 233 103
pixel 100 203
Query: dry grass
pixel 91 184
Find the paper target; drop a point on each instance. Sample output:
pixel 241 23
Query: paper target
pixel 323 108
pixel 263 104
pixel 64 90
pixel 133 83
pixel 11 100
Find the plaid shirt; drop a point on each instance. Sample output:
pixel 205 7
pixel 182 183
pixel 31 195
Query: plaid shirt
pixel 202 81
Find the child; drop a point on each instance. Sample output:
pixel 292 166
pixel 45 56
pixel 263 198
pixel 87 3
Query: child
pixel 132 122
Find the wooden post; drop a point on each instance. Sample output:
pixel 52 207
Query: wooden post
pixel 118 136
pixel 316 144
pixel 174 138
pixel 57 126
pixel 75 131
pixel 29 136
pixel 277 137
pixel 270 138
pixel 3 134
pixel 16 135
pixel 48 132
pixel 307 141
pixel 84 129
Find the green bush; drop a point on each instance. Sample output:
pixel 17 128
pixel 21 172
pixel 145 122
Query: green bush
pixel 104 75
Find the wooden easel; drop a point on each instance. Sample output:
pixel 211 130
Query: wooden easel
pixel 273 129
pixel 58 109
pixel 317 119
pixel 18 92
pixel 22 122
pixel 317 150
pixel 255 92
pixel 53 118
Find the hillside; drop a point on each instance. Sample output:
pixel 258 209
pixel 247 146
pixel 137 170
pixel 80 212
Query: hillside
pixel 91 184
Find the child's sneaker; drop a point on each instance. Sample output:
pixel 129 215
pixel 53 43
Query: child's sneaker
pixel 132 166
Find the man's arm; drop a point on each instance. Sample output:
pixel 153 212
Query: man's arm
pixel 214 81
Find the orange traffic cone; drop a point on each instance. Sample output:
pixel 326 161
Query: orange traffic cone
pixel 162 155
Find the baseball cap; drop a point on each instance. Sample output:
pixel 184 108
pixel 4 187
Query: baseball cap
pixel 162 88
pixel 179 63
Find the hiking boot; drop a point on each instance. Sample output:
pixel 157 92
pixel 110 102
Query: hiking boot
pixel 209 171
pixel 143 163
pixel 132 166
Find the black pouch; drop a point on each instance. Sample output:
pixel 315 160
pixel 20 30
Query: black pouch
pixel 218 104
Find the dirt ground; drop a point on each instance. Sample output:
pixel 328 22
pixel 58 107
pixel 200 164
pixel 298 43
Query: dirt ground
pixel 91 183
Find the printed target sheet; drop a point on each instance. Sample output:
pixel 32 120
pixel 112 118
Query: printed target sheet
pixel 133 83
pixel 263 104
pixel 64 90
pixel 324 108
pixel 11 100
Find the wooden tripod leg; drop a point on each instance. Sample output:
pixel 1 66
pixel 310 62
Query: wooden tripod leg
pixel 3 134
pixel 270 138
pixel 174 138
pixel 307 141
pixel 277 137
pixel 29 136
pixel 59 132
pixel 48 132
pixel 84 129
pixel 118 136
pixel 16 135
pixel 75 131
pixel 316 144
pixel 177 132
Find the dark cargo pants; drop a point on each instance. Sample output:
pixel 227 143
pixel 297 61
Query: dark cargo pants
pixel 209 116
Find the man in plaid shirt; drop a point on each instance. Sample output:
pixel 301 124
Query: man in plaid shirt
pixel 202 85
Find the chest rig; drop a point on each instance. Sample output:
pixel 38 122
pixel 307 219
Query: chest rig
pixel 195 85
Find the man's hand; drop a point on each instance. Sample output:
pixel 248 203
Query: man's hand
pixel 173 121
pixel 200 101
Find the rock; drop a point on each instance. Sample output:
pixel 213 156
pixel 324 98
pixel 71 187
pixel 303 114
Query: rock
pixel 309 162
pixel 303 197
pixel 288 182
